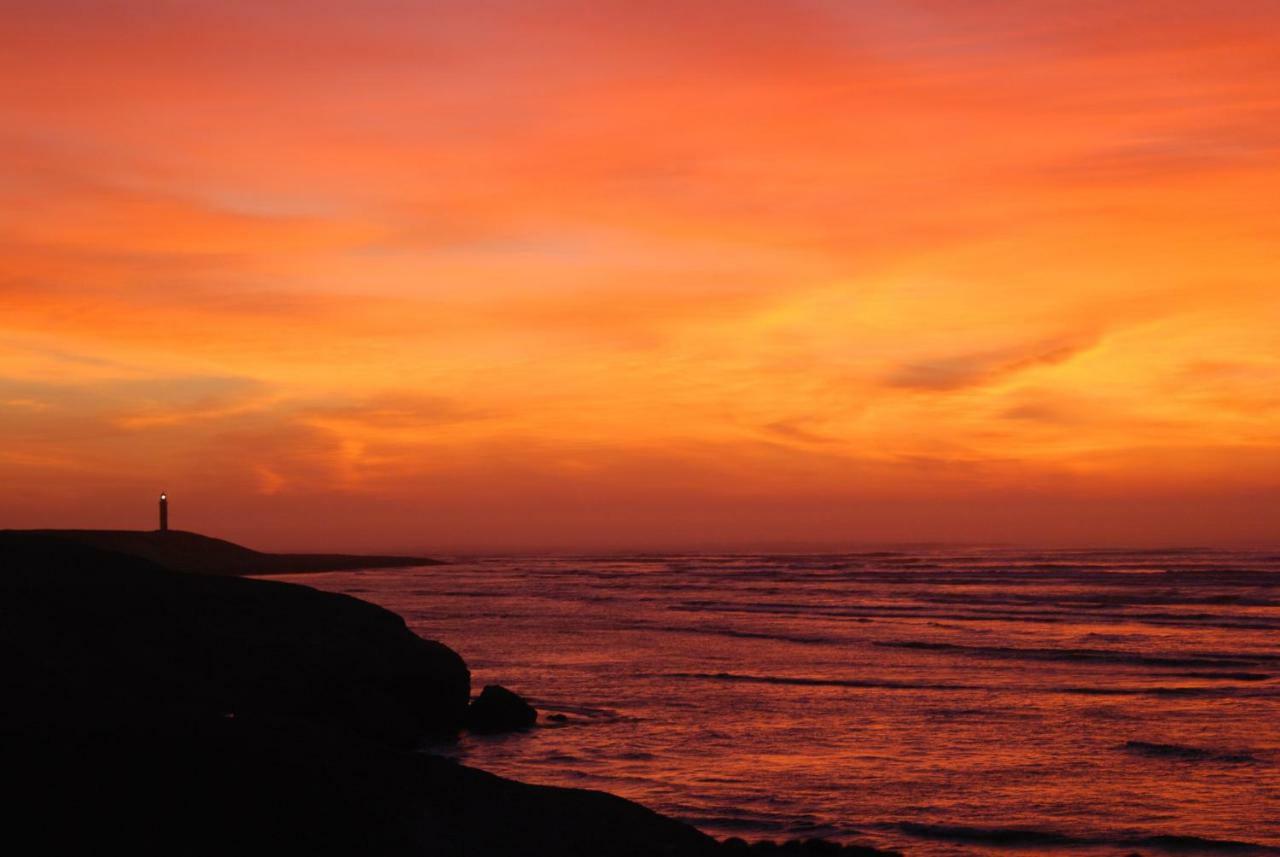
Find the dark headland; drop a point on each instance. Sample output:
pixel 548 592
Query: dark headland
pixel 149 712
pixel 178 550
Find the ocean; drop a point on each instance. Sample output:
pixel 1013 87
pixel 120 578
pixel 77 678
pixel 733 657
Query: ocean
pixel 942 701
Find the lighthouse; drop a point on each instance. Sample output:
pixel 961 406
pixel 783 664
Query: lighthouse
pixel 164 512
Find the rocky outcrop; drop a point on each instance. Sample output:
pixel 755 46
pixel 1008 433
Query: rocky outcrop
pixel 88 631
pixel 156 713
pixel 209 786
pixel 476 813
pixel 153 713
pixel 497 709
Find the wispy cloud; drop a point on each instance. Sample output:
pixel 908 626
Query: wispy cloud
pixel 979 368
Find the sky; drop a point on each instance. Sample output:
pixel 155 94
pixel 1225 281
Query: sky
pixel 498 274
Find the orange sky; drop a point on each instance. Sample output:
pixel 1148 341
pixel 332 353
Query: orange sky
pixel 591 274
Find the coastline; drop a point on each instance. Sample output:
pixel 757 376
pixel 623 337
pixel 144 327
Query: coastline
pixel 183 713
pixel 193 553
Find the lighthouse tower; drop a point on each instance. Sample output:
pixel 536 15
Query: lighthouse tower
pixel 164 512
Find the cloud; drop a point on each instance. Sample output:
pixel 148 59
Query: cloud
pixel 41 411
pixel 1163 153
pixel 981 368
pixel 797 431
pixel 396 410
pixel 1041 412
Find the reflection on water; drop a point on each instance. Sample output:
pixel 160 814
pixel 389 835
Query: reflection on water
pixel 943 702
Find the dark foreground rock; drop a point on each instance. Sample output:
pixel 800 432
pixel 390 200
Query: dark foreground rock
pixel 263 786
pixel 86 632
pixel 497 709
pixel 151 713
pixel 193 553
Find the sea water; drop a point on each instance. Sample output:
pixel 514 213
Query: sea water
pixel 940 701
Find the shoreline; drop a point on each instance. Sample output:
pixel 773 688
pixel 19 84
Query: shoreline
pixel 206 714
pixel 193 553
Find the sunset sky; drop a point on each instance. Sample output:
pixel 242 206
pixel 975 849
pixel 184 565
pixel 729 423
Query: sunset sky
pixel 491 275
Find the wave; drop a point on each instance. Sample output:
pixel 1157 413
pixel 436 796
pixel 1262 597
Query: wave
pixel 867 612
pixel 786 824
pixel 879 684
pixel 1029 836
pixel 1184 753
pixel 1172 842
pixel 806 639
pixel 819 682
pixel 591 712
pixel 988 835
pixel 635 756
pixel 1110 656
pixel 1098 597
pixel 1158 690
pixel 988 713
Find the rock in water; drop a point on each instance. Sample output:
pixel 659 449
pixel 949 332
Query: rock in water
pixel 497 709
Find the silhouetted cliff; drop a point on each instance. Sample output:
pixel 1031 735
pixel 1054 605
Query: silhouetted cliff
pixel 154 713
pixel 90 632
pixel 178 550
